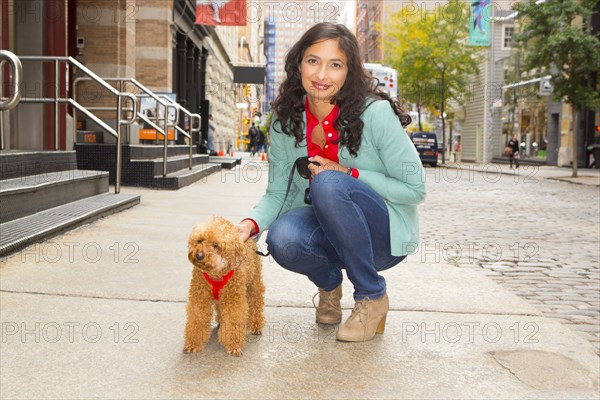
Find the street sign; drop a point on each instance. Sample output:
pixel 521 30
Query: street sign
pixel 545 87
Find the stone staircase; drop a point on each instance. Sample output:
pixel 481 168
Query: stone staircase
pixel 43 194
pixel 143 164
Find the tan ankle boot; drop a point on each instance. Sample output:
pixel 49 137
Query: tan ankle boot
pixel 367 318
pixel 329 310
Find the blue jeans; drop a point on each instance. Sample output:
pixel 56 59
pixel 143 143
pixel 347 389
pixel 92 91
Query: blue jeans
pixel 347 227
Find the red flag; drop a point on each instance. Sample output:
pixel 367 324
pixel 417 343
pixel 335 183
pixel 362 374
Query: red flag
pixel 221 12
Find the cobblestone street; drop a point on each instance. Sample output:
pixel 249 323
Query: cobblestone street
pixel 536 237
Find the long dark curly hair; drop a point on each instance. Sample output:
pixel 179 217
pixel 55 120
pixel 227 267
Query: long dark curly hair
pixel 289 105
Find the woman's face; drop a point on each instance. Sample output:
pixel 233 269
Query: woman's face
pixel 323 70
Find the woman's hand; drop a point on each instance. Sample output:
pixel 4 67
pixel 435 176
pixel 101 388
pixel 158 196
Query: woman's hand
pixel 326 165
pixel 246 229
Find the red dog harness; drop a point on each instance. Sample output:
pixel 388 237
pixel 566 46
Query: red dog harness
pixel 218 285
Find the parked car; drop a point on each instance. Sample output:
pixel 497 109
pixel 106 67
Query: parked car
pixel 426 144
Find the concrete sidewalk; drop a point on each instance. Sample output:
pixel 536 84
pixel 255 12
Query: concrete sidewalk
pixel 531 173
pixel 99 313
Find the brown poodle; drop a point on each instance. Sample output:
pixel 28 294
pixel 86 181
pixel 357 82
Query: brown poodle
pixel 226 275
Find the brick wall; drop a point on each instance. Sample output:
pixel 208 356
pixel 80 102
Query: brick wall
pixel 154 45
pixel 108 27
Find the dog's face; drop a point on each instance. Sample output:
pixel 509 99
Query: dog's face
pixel 215 247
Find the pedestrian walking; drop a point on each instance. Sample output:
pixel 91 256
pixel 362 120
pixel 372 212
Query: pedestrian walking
pixel 211 136
pixel 261 141
pixel 456 149
pixel 514 154
pixel 253 134
pixel 358 208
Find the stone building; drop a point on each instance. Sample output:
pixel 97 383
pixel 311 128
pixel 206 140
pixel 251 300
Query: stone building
pixel 155 42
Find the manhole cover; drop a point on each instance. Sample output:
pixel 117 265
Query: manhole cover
pixel 546 371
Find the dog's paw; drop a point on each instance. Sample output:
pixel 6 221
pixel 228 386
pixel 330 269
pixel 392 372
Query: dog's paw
pixel 235 352
pixel 188 348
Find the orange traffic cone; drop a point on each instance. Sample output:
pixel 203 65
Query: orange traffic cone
pixel 231 153
pixel 263 157
pixel 220 154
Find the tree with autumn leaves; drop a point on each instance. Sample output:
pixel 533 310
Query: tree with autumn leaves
pixel 434 62
pixel 431 55
pixel 557 40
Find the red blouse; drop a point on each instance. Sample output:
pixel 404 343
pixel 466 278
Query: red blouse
pixel 330 149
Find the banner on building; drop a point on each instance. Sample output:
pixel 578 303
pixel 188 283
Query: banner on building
pixel 221 12
pixel 479 23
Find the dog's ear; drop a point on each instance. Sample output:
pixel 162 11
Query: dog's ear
pixel 196 232
pixel 231 235
pixel 228 233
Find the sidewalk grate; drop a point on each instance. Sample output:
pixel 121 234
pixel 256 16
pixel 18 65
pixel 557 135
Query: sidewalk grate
pixel 22 232
pixel 35 182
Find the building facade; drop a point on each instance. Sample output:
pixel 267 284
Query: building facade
pixel 505 101
pixel 481 118
pixel 369 16
pixel 155 42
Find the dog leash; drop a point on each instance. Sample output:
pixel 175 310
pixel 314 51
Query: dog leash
pixel 260 253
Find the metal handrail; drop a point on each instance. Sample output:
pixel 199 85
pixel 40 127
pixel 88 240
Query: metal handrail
pixel 77 106
pixel 165 102
pixel 165 119
pixel 93 117
pixel 17 81
pixel 192 117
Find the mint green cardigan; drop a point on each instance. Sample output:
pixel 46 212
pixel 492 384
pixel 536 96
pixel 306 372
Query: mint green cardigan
pixel 387 162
